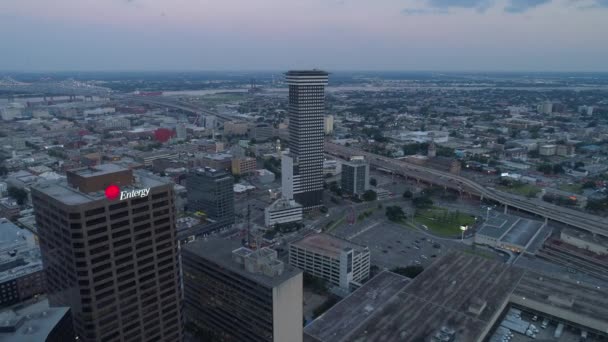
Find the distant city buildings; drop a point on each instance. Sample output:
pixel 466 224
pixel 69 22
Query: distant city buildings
pixel 242 294
pixel 211 192
pixel 342 263
pixel 355 176
pixel 109 250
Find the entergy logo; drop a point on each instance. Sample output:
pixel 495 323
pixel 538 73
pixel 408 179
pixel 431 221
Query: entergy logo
pixel 113 192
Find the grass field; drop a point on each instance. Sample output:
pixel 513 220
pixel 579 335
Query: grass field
pixel 573 188
pixel 526 190
pixel 443 222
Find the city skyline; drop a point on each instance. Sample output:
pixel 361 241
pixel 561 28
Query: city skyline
pixel 412 35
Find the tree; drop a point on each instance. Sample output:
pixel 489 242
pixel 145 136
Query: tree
pixel 3 170
pixel 407 194
pixel 589 185
pixel 395 213
pixel 373 182
pixel 557 168
pixel 501 140
pixel 545 168
pixel 19 195
pixel 422 202
pixel 408 271
pixel 370 195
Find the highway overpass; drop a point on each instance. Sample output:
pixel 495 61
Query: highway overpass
pixel 176 104
pixel 574 218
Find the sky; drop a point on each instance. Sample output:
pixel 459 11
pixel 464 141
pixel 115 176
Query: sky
pixel 404 35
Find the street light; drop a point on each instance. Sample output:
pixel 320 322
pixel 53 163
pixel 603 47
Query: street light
pixel 463 229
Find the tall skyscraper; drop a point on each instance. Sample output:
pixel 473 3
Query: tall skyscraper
pixel 242 294
pixel 211 191
pixel 108 242
pixel 306 133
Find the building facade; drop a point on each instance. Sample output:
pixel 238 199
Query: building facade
pixel 21 273
pixel 242 295
pixel 306 134
pixel 211 191
pixel 338 261
pixel 110 253
pixel 244 166
pixel 282 211
pixel 355 176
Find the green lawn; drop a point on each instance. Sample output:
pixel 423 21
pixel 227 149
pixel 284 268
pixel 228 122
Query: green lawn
pixel 573 188
pixel 443 222
pixel 526 190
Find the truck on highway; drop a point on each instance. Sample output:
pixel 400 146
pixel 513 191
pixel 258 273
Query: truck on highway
pixel 559 330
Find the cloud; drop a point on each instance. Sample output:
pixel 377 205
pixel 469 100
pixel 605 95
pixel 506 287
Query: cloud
pixel 424 11
pixel 521 6
pixel 480 5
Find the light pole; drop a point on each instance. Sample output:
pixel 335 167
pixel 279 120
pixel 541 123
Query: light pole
pixel 488 213
pixel 463 229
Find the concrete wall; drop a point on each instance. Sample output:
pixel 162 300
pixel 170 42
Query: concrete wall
pixel 287 311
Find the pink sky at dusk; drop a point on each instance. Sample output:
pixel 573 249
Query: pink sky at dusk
pixel 558 35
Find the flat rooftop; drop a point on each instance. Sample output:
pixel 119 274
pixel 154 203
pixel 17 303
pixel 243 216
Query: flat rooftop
pixel 219 251
pixel 327 245
pixel 61 191
pixel 33 321
pixel 98 170
pixel 313 72
pixel 459 291
pixel 19 254
pixel 354 309
pixel 511 229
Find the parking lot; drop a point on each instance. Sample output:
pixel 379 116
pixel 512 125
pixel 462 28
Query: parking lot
pixel 393 245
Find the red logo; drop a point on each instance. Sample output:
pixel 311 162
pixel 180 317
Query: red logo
pixel 112 192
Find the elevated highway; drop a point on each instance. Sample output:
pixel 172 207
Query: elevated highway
pixel 574 218
pixel 176 104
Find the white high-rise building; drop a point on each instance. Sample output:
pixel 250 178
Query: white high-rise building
pixel 180 131
pixel 329 124
pixel 306 134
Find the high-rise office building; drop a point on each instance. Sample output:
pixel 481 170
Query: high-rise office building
pixel 355 176
pixel 211 191
pixel 306 133
pixel 242 294
pixel 108 242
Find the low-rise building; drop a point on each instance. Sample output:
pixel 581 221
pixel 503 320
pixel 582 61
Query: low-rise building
pixel 35 322
pixel 243 166
pixel 21 273
pixel 282 211
pixel 340 262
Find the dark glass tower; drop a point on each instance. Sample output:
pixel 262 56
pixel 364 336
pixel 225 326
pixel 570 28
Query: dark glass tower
pixel 306 132
pixel 211 191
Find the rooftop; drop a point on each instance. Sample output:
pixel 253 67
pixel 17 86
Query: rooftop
pixel 511 229
pixel 61 191
pixel 327 245
pixel 32 322
pixel 219 251
pixel 354 309
pixel 99 170
pixel 458 291
pixel 313 72
pixel 19 254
